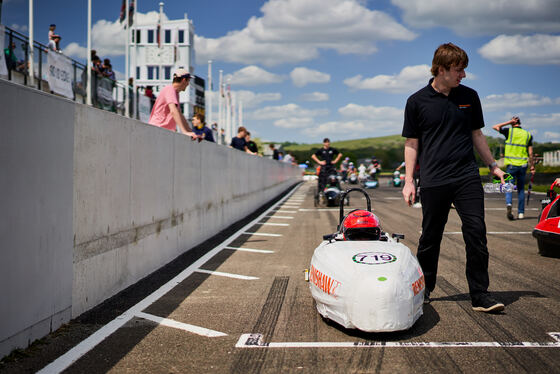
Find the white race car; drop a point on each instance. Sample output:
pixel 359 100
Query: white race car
pixel 362 278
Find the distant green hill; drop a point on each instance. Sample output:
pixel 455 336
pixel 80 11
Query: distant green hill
pixel 390 149
pixel 387 149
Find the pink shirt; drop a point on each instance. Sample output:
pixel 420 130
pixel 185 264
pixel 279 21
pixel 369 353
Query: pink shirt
pixel 161 115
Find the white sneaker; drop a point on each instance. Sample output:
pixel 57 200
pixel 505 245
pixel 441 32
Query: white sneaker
pixel 417 205
pixel 520 216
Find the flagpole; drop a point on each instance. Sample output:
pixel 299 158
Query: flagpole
pixel 209 119
pixel 88 67
pixel 126 67
pixel 220 106
pixel 31 54
pixel 240 113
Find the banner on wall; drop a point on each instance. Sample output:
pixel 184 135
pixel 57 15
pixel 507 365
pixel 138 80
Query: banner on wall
pixel 59 74
pixel 144 108
pixel 3 67
pixel 105 93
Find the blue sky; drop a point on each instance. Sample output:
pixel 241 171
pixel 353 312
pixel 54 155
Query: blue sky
pixel 306 69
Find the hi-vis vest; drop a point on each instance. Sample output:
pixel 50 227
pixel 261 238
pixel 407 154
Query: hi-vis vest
pixel 516 147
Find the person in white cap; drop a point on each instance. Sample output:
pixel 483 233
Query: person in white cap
pixel 165 112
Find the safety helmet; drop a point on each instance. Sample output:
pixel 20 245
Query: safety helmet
pixel 361 225
pixel 332 179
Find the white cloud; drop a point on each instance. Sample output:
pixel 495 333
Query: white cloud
pixel 295 30
pixel 536 49
pixel 293 122
pixel 251 99
pixel 75 50
pixel 19 28
pixel 108 37
pixel 360 122
pixel 286 111
pixel 483 17
pixel 315 96
pixel 252 76
pixel 516 100
pixel 378 114
pixel 408 79
pixel 552 136
pixel 302 76
pixel 356 128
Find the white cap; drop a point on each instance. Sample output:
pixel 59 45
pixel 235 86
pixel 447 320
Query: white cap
pixel 181 73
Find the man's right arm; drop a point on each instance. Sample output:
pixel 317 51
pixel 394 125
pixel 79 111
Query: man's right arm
pixel 181 120
pixel 500 125
pixel 410 157
pixel 314 157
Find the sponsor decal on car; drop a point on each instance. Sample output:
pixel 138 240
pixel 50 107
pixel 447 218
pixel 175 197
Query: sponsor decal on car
pixel 418 285
pixel 323 281
pixel 374 258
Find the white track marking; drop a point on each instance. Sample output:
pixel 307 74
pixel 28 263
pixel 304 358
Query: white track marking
pixel 256 341
pixel 67 359
pixel 489 232
pixel 505 208
pixel 273 224
pixel 228 275
pixel 492 233
pixel 181 326
pixel 319 210
pixel 285 211
pixel 261 234
pixel 280 217
pixel 249 250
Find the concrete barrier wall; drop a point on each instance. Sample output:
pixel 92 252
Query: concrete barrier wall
pixel 36 171
pixel 132 197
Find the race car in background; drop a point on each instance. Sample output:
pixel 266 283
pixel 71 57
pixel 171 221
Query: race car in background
pixel 547 230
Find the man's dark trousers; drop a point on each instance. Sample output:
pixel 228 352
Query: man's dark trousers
pixel 468 197
pixel 324 173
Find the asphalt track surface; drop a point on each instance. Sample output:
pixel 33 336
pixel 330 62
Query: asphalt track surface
pixel 198 324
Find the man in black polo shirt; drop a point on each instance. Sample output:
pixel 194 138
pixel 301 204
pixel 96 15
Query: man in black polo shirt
pixel 327 157
pixel 442 123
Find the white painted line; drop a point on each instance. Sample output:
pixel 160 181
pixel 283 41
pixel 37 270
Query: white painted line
pixel 228 275
pixel 505 208
pixel 256 341
pixel 285 211
pixel 249 250
pixel 281 217
pixel 492 232
pixel 489 232
pixel 273 224
pixel 181 326
pixel 393 198
pixel 261 234
pixel 319 210
pixel 67 359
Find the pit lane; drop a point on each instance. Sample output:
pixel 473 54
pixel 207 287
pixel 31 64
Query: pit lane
pixel 253 283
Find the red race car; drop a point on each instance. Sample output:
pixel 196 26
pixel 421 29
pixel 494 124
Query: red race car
pixel 547 231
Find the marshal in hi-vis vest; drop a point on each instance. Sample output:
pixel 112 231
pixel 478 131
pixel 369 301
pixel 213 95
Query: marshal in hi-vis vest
pixel 516 147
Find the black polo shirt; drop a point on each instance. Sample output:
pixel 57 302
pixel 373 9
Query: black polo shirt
pixel 444 125
pixel 238 143
pixel 327 155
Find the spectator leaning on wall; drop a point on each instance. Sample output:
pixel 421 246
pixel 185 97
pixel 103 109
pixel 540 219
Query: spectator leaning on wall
pixel 165 112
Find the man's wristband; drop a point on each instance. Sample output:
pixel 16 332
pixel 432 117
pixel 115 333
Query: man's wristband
pixel 493 165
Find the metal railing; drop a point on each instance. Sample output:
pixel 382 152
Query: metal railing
pixel 107 94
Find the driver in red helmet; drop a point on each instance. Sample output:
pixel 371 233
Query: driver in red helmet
pixel 361 225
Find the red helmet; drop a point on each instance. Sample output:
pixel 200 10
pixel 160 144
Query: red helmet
pixel 361 225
